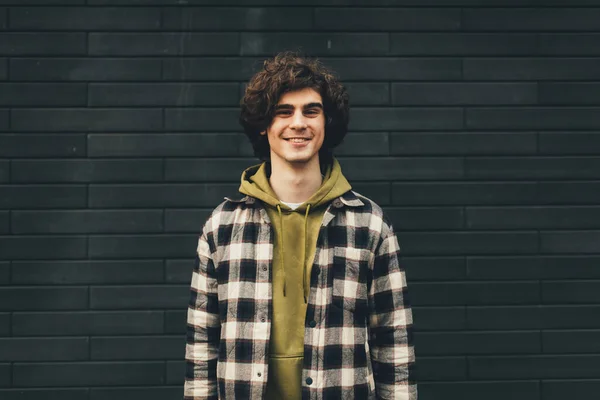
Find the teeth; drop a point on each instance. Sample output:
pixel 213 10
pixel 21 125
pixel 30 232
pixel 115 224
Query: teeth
pixel 298 140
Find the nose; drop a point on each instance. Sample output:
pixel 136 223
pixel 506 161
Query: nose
pixel 298 121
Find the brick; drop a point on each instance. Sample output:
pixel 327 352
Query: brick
pixel 409 118
pixel 176 322
pixel 569 93
pixel 560 389
pixel 570 267
pixel 438 318
pixel 46 43
pixel 86 119
pixel 86 272
pixel 5 326
pixel 24 146
pixel 207 169
pixel 387 19
pixel 3 68
pixel 155 195
pixel 42 247
pixel 531 19
pixel 403 168
pixel 202 119
pixel 532 167
pixel 584 143
pixel 533 118
pixel 43 196
pixel 514 390
pixel 87 221
pixel 532 217
pixel 4 171
pixel 4 272
pixel 462 44
pixel 95 323
pixel 441 368
pixel 570 316
pixel 183 220
pixel 53 349
pixel 377 191
pixel 88 374
pixel 138 246
pixel 457 343
pixel 533 367
pixel 505 268
pixel 579 341
pixel 4 227
pixel 84 18
pixel 5 375
pixel 84 69
pixel 242 18
pixel 464 193
pixel 3 18
pixel 582 242
pixel 368 93
pixel 397 69
pixel 43 298
pixel 179 271
pixel 4 117
pixel 210 69
pixel 364 144
pixel 371 3
pixel 175 372
pixel 426 218
pixel 46 394
pixel 42 94
pixel 440 268
pixel 474 293
pixel 464 93
pixel 462 243
pixel 316 44
pixel 569 44
pixel 570 292
pixel 570 192
pixel 167 145
pixel 531 69
pixel 503 317
pixel 163 44
pixel 139 297
pixel 163 94
pixel 87 170
pixel 150 393
pixel 462 143
pixel 138 348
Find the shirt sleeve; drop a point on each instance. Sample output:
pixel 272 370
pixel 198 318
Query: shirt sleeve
pixel 390 324
pixel 203 328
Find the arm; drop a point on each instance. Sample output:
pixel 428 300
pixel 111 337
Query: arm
pixel 203 328
pixel 390 324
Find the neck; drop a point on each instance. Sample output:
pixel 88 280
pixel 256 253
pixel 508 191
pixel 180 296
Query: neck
pixel 295 183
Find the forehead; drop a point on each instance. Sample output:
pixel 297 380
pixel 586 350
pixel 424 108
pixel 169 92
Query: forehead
pixel 300 97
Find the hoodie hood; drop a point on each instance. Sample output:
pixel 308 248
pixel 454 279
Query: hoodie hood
pixel 255 183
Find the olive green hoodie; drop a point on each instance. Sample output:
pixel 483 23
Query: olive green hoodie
pixel 296 234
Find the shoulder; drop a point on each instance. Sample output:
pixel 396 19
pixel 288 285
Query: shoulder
pixel 225 213
pixel 377 218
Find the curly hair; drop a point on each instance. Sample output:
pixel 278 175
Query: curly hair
pixel 285 72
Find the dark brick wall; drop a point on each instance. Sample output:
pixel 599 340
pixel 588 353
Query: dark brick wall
pixel 476 124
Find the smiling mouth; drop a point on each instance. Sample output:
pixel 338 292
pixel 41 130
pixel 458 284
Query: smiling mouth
pixel 297 140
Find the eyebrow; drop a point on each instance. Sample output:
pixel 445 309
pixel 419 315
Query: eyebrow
pixel 304 107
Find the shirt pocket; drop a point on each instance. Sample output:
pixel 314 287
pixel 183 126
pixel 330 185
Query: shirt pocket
pixel 349 283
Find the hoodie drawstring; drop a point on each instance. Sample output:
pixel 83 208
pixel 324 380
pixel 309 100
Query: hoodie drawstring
pixel 281 246
pixel 305 284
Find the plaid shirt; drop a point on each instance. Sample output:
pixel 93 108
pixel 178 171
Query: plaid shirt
pixel 358 326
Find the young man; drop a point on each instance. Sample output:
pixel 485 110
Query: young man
pixel 297 291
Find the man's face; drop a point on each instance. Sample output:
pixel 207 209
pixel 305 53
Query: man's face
pixel 298 128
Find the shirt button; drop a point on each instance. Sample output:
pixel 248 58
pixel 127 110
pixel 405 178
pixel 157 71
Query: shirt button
pixel 262 319
pixel 264 267
pixel 312 324
pixel 259 374
pixel 309 381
